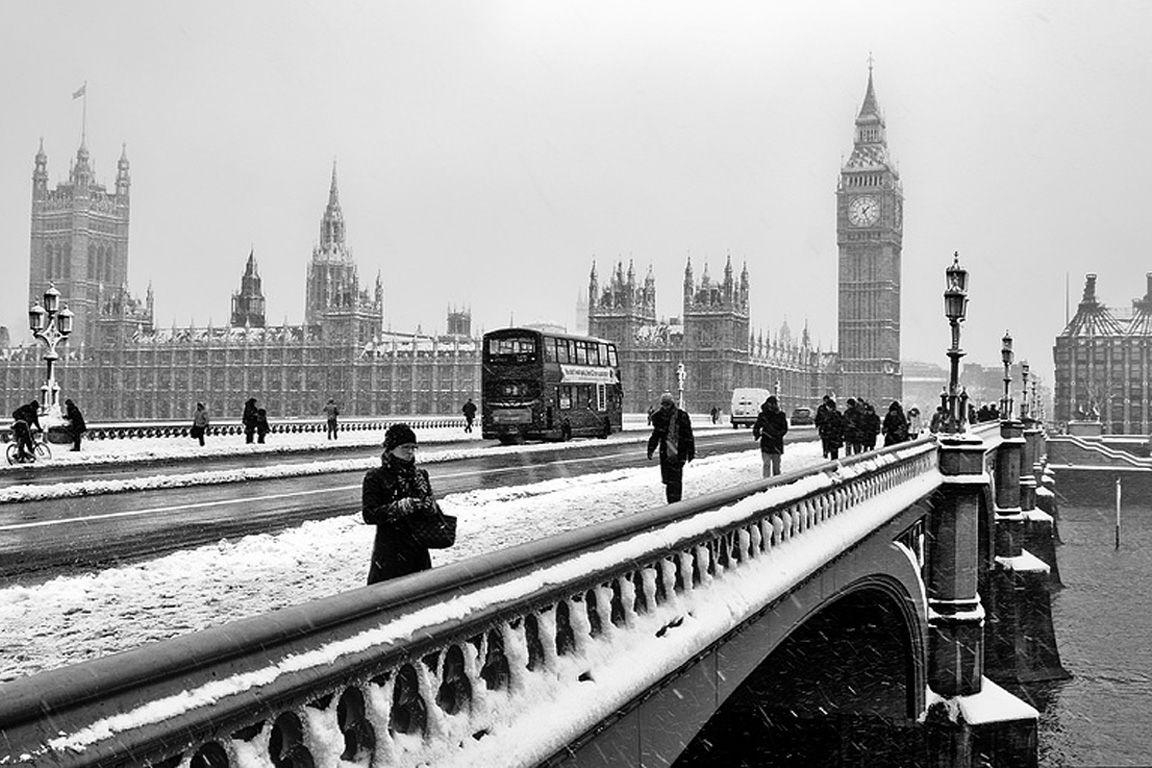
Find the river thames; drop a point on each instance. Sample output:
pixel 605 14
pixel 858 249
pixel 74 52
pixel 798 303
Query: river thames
pixel 1102 715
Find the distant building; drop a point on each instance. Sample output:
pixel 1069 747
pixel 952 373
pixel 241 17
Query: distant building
pixel 1104 364
pixel 869 234
pixel 119 365
pixel 711 339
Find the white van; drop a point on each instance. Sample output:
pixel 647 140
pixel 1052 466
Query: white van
pixel 746 402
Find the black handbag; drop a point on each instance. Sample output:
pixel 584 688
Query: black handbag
pixel 434 529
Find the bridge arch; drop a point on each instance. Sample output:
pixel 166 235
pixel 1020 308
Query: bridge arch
pixel 848 677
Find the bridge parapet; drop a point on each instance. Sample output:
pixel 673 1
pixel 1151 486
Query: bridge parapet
pixel 505 659
pixel 181 428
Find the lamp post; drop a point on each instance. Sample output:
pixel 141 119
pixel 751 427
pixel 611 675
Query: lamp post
pixel 1006 357
pixel 1025 409
pixel 681 374
pixel 51 325
pixel 955 309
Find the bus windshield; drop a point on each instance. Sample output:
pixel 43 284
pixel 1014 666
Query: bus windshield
pixel 521 349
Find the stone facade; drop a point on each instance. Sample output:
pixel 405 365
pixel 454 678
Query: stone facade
pixel 711 339
pixel 1103 364
pixel 118 365
pixel 869 233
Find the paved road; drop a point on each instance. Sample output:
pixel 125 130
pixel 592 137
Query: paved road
pixel 40 539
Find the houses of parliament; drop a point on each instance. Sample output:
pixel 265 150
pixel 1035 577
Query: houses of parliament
pixel 118 365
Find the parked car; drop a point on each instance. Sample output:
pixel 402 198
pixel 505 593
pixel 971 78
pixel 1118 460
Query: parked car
pixel 801 417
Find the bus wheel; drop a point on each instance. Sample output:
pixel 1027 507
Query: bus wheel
pixel 607 430
pixel 566 432
pixel 507 439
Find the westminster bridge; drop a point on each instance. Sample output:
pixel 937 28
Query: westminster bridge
pixel 632 642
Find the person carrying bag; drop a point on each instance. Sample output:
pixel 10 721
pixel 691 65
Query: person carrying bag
pixel 397 498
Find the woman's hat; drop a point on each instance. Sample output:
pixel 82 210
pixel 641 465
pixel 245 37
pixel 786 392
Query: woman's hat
pixel 397 435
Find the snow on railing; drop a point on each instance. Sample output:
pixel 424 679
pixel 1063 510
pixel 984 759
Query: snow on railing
pixel 503 659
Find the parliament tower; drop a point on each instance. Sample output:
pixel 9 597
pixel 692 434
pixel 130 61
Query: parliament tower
pixel 869 233
pixel 79 239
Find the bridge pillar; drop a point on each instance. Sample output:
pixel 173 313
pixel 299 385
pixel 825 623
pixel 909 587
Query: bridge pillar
pixel 1021 642
pixel 1028 461
pixel 955 616
pixel 974 722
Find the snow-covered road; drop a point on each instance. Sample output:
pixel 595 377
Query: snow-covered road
pixel 78 617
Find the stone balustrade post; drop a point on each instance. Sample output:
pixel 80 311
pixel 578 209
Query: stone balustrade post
pixel 955 615
pixel 1028 460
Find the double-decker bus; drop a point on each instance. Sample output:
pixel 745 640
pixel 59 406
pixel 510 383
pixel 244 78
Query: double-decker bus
pixel 540 385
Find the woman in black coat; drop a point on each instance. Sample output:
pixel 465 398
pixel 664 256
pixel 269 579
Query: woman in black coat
pixel 895 425
pixel 392 493
pixel 249 419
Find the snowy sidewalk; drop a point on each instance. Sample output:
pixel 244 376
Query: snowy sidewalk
pixel 72 618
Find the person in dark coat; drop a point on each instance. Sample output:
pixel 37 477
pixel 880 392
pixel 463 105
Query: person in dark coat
pixel 469 411
pixel 24 419
pixel 895 427
pixel 830 425
pixel 672 433
pixel 76 425
pixel 393 492
pixel 330 414
pixel 262 427
pixel 249 419
pixel 199 422
pixel 770 427
pixel 870 429
pixel 853 415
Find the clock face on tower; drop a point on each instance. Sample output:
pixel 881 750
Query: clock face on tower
pixel 863 211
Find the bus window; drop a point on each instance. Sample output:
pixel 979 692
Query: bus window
pixel 593 353
pixel 604 354
pixel 520 348
pixel 562 351
pixel 565 397
pixel 581 353
pixel 550 349
pixel 612 355
pixel 601 399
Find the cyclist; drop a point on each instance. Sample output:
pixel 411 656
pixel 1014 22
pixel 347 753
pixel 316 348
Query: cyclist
pixel 24 419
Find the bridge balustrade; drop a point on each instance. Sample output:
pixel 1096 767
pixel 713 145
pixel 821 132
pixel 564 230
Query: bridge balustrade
pixel 128 430
pixel 468 663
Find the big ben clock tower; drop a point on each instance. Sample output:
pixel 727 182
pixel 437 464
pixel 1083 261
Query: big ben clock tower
pixel 869 231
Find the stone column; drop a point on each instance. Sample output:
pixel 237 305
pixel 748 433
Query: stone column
pixel 1009 530
pixel 955 615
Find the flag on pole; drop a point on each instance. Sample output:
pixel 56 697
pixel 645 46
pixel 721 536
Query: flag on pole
pixel 80 91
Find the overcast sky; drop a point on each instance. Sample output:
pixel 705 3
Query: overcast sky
pixel 489 151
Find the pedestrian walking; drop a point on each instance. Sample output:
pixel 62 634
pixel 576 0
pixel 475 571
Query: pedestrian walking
pixel 469 411
pixel 915 423
pixel 853 418
pixel 672 434
pixel 249 419
pixel 770 427
pixel 393 493
pixel 76 425
pixel 830 425
pixel 871 427
pixel 939 419
pixel 262 427
pixel 895 426
pixel 330 414
pixel 715 414
pixel 199 423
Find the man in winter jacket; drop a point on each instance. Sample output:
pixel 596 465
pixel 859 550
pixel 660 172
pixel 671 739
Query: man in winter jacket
pixel 76 425
pixel 249 419
pixel 24 419
pixel 853 416
pixel 392 493
pixel 330 414
pixel 770 427
pixel 469 411
pixel 672 433
pixel 830 425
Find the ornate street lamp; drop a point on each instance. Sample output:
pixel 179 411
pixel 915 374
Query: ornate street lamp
pixel 51 325
pixel 955 309
pixel 1025 410
pixel 1006 358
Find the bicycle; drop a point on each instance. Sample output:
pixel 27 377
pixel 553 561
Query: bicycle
pixel 40 450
